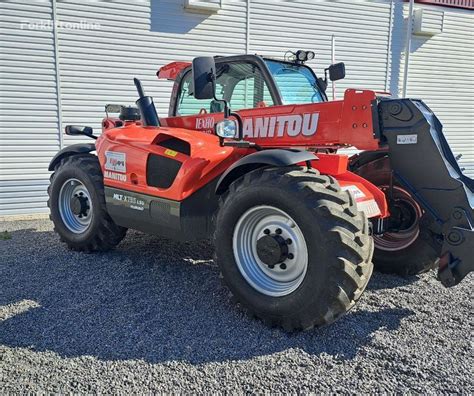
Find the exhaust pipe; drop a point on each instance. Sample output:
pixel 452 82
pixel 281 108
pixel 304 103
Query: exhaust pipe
pixel 146 106
pixel 424 164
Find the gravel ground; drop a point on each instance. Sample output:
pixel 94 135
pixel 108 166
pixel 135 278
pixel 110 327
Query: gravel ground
pixel 152 316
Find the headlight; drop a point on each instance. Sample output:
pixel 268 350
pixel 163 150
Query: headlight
pixel 301 55
pixel 310 55
pixel 227 129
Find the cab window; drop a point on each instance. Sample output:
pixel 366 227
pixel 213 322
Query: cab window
pixel 240 83
pixel 297 83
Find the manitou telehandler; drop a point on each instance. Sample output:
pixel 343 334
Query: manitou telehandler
pixel 294 223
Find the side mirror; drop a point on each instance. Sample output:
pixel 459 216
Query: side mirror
pixel 204 75
pixel 337 71
pixel 75 130
pixel 113 108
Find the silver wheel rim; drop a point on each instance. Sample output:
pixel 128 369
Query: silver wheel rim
pixel 73 189
pixel 254 224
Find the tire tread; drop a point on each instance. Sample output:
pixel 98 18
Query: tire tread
pixel 347 230
pixel 108 234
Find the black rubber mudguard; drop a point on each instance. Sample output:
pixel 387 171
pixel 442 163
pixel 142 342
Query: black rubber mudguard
pixel 270 157
pixel 80 148
pixel 424 163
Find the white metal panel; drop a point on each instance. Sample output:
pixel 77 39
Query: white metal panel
pixel 203 5
pixel 427 22
pixel 28 106
pixel 441 72
pixel 134 40
pixel 361 29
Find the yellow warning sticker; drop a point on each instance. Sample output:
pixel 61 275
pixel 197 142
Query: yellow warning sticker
pixel 171 153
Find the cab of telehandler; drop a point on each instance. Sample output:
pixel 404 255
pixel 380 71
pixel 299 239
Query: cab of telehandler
pixel 252 81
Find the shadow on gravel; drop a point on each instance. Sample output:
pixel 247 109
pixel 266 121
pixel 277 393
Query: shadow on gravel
pixel 150 299
pixel 388 281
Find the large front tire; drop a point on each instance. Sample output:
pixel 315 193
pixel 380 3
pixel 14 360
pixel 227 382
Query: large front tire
pixel 77 206
pixel 292 247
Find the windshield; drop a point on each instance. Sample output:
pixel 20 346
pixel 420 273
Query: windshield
pixel 296 83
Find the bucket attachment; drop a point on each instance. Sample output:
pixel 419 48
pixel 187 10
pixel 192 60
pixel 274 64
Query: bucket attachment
pixel 423 162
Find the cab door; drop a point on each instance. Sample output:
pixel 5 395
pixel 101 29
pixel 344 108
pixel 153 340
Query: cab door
pixel 241 83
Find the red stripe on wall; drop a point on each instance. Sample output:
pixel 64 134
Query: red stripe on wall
pixel 468 4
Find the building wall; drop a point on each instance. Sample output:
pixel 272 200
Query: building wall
pixel 361 31
pixel 29 134
pixel 441 72
pixel 96 66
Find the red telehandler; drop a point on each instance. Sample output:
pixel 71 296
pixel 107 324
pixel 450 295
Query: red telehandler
pixel 248 156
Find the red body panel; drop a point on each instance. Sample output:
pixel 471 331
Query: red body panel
pixel 370 191
pixel 339 123
pixel 171 70
pixel 346 122
pixel 207 161
pixel 336 165
pixel 332 164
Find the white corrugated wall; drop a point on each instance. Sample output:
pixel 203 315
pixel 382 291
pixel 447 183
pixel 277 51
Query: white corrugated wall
pixel 131 39
pixel 441 72
pixel 134 40
pixel 28 106
pixel 361 30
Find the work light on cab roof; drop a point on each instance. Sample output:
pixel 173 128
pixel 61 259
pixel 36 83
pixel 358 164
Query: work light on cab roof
pixel 302 56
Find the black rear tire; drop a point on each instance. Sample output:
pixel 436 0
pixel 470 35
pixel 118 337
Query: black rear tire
pixel 418 258
pixel 421 255
pixel 101 234
pixel 337 237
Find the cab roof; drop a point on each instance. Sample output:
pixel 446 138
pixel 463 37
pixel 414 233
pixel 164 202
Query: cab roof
pixel 173 69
